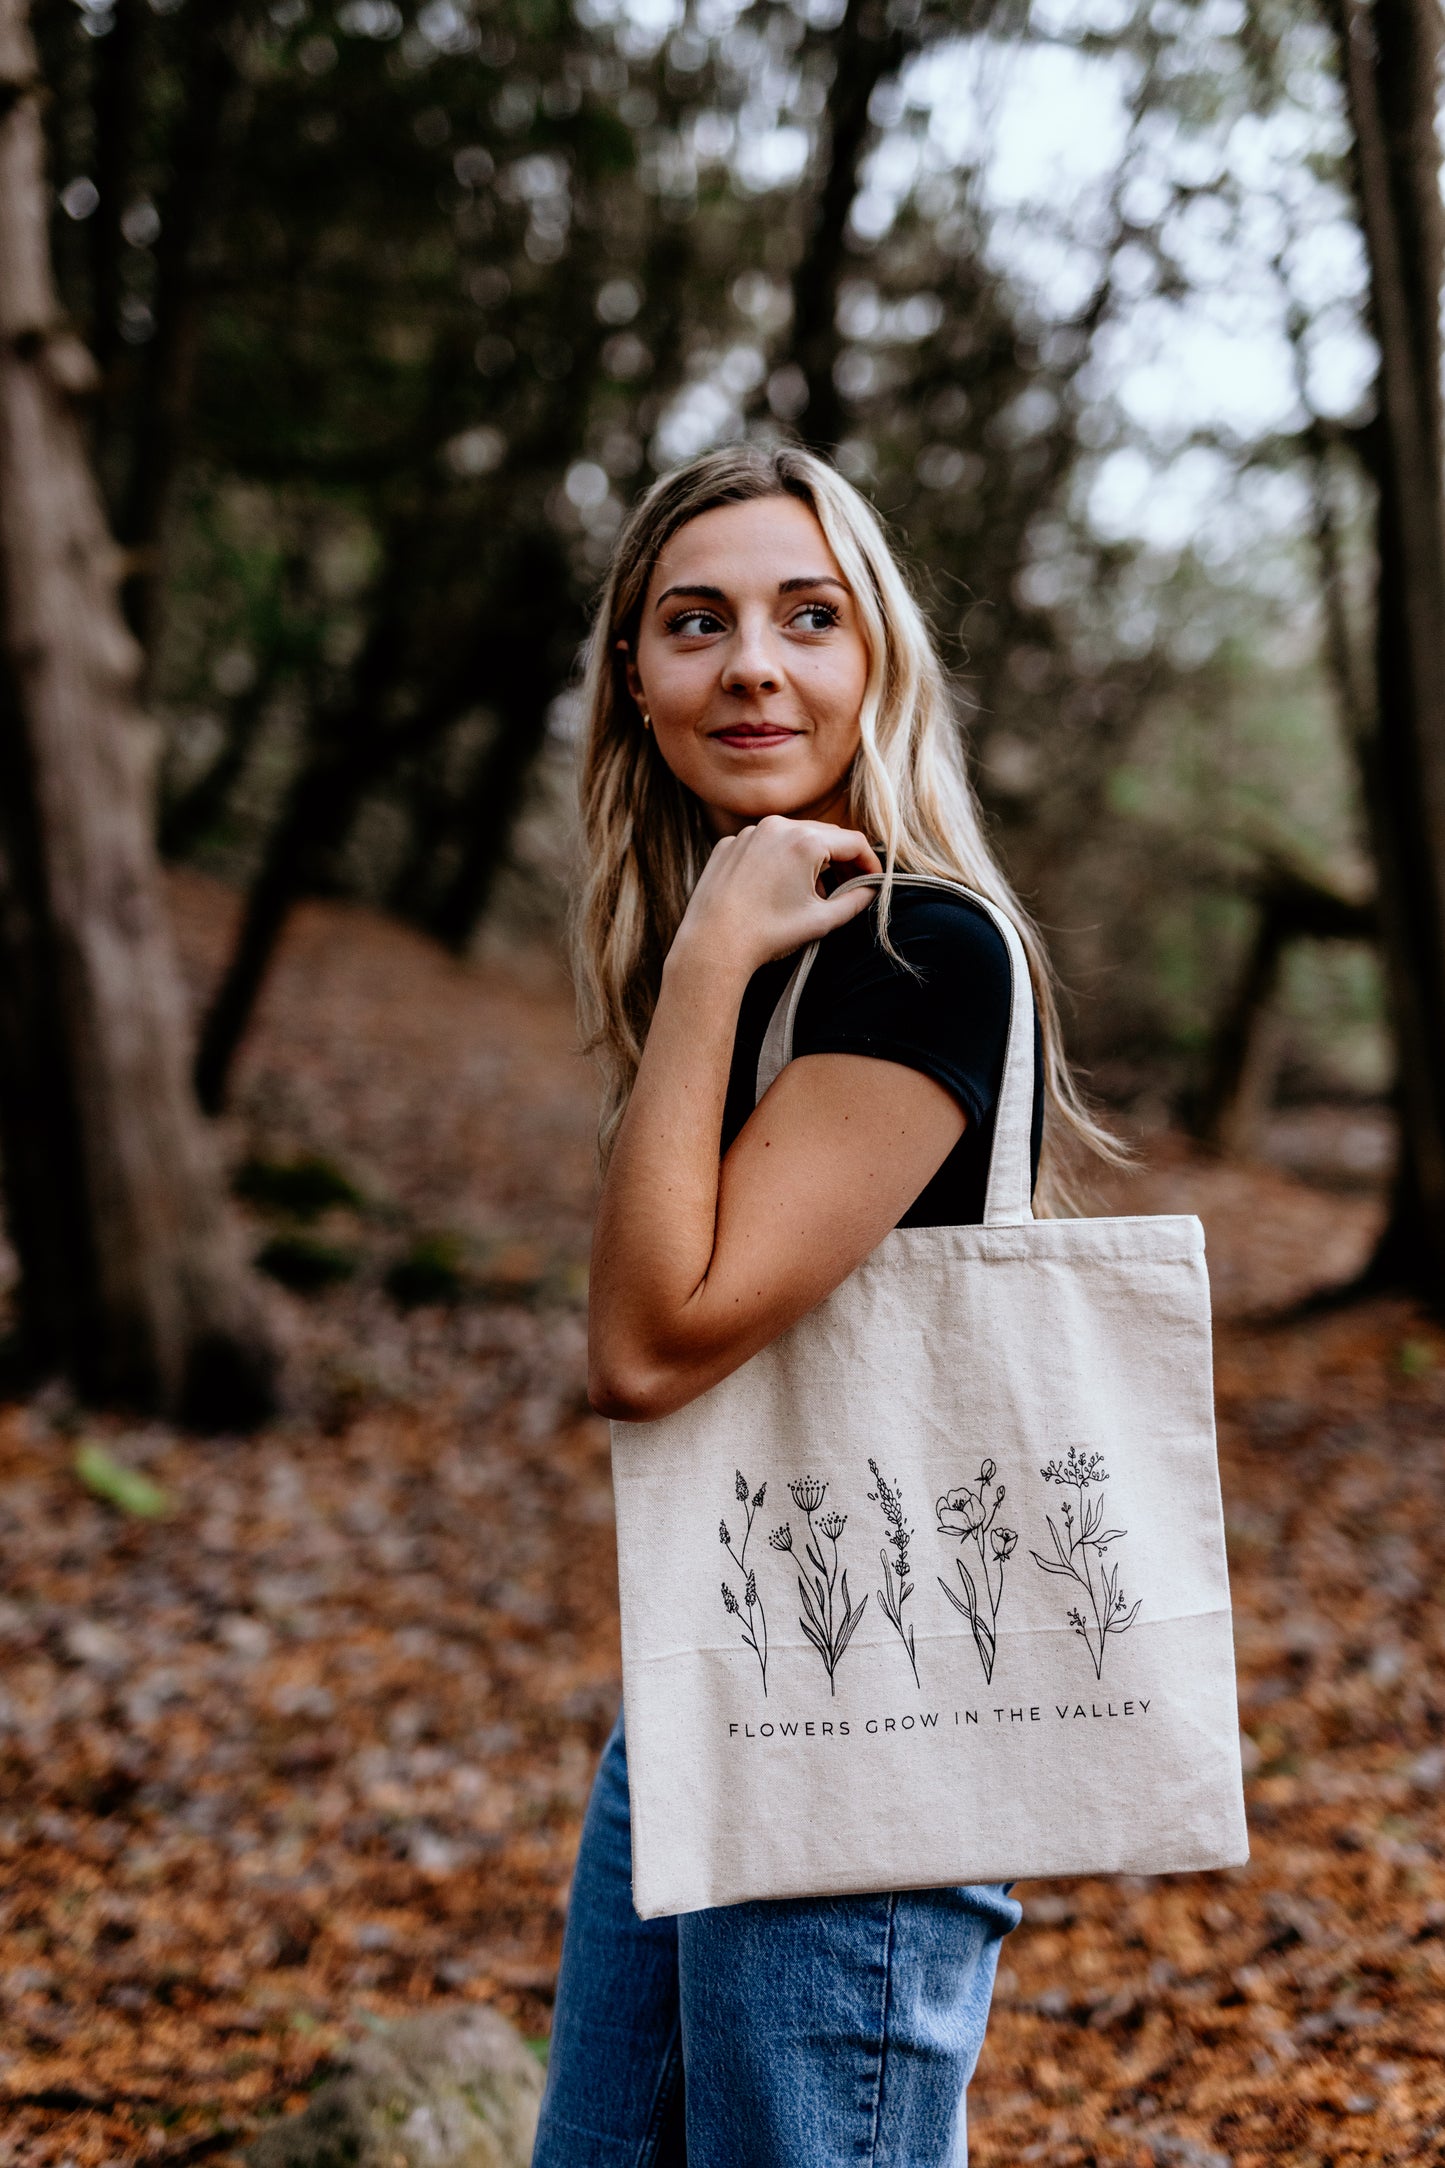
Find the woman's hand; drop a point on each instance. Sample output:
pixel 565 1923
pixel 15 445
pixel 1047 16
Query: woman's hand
pixel 760 894
pixel 694 1268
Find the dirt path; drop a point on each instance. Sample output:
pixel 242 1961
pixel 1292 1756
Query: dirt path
pixel 315 1743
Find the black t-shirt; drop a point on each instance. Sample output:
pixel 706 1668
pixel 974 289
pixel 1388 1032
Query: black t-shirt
pixel 950 1021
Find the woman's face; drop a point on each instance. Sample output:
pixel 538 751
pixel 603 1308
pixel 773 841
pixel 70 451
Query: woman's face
pixel 751 663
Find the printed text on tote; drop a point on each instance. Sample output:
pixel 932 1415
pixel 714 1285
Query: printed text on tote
pixel 937 1720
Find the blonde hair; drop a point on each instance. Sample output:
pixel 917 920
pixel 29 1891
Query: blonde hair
pixel 644 835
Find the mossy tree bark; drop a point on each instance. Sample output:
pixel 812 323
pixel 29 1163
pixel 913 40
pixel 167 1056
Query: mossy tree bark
pixel 132 1279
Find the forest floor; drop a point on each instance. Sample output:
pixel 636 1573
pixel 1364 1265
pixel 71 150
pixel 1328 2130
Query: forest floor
pixel 310 1743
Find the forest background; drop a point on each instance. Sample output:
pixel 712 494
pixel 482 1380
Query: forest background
pixel 395 311
pixel 358 327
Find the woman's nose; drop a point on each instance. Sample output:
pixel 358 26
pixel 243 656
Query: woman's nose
pixel 752 662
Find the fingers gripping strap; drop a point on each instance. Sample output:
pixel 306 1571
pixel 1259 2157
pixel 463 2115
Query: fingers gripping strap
pixel 1010 1172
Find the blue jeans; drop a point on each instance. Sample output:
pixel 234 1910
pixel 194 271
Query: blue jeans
pixel 791 2034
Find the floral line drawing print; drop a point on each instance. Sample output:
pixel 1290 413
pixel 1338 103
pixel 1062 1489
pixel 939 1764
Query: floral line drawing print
pixel 897 1588
pixel 828 1616
pixel 1109 1612
pixel 967 1514
pixel 750 1610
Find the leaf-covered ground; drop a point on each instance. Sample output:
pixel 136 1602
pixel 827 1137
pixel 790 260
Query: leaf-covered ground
pixel 312 1743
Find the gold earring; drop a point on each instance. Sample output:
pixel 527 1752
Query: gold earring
pixel 646 719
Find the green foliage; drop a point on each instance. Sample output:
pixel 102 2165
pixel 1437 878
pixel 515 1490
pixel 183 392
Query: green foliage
pixel 306 1265
pixel 300 1188
pixel 122 1487
pixel 434 1269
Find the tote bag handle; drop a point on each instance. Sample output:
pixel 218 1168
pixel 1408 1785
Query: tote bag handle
pixel 1008 1202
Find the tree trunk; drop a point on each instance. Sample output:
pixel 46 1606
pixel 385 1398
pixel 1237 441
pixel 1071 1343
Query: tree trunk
pixel 132 1279
pixel 118 76
pixel 866 50
pixel 353 748
pixel 1390 58
pixel 189 816
pixel 526 662
pixel 1245 1054
pixel 1244 1058
pixel 167 366
pixel 318 812
pixel 491 807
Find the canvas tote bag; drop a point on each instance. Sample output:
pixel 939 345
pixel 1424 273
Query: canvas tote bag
pixel 933 1589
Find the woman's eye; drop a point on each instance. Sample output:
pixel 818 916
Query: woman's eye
pixel 695 621
pixel 817 617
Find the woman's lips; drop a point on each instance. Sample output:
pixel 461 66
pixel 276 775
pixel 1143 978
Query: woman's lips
pixel 751 738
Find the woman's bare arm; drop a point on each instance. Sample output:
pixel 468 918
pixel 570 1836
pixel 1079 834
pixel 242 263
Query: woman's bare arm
pixel 696 1267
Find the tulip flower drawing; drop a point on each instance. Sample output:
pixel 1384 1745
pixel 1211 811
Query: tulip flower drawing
pixel 970 1514
pixel 1109 1610
pixel 828 1616
pixel 749 1612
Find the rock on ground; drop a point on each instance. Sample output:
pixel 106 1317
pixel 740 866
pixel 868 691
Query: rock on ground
pixel 455 2088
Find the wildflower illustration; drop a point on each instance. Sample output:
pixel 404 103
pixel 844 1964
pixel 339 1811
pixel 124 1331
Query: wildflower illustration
pixel 897 1588
pixel 829 1616
pixel 969 1514
pixel 749 1612
pixel 1109 1611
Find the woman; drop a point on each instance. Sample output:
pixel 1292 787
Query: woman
pixel 768 716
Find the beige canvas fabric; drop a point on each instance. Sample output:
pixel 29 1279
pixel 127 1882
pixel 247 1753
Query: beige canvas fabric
pixel 1025 1408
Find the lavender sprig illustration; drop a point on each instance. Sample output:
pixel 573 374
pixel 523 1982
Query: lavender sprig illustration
pixel 828 1616
pixel 750 1610
pixel 1109 1611
pixel 897 1588
pixel 968 1514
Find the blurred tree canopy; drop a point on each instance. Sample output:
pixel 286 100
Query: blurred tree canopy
pixel 397 306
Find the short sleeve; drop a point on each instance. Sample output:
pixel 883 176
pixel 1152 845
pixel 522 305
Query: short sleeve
pixel 941 1005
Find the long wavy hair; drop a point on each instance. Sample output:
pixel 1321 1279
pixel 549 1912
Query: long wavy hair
pixel 645 839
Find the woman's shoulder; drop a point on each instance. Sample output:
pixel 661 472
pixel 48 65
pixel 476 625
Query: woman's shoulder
pixel 930 929
pixel 939 1002
pixel 923 913
pixel 944 976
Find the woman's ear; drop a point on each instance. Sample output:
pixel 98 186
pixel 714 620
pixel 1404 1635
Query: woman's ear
pixel 634 683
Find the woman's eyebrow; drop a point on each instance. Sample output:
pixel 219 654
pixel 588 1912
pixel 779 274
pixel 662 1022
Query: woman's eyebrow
pixel 708 594
pixel 785 587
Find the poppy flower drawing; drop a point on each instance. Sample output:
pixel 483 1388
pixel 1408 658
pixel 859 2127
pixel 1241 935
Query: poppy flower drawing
pixel 960 1513
pixel 970 1514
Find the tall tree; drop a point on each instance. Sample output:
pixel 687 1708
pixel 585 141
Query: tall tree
pixel 207 81
pixel 132 1280
pixel 483 201
pixel 866 49
pixel 1390 55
